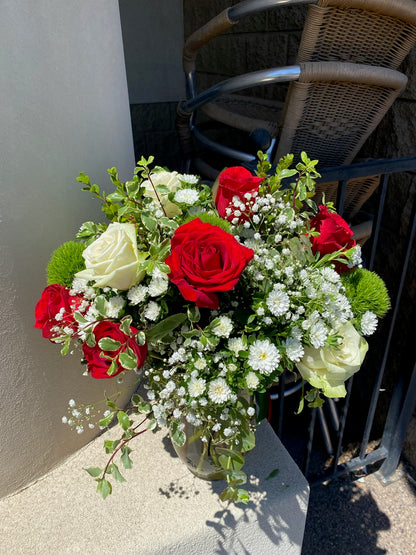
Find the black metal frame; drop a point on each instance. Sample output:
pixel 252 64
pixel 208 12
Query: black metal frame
pixel 404 396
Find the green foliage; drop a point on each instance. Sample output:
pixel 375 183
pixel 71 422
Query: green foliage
pixel 65 262
pixel 213 219
pixel 366 291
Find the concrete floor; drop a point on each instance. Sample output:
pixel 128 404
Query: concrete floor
pixel 363 517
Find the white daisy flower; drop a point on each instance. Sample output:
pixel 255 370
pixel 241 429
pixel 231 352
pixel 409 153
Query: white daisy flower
pixel 330 275
pixel 369 323
pixel 187 196
pixel 219 391
pixel 224 327
pixel 263 356
pixel 200 364
pixel 294 349
pixel 252 381
pixel 196 387
pixel 188 178
pixel 158 286
pixel 235 344
pixel 152 311
pixel 115 306
pixel 278 302
pixel 318 334
pixel 137 294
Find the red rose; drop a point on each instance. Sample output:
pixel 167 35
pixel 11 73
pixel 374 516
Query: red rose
pixel 55 299
pixel 236 182
pixel 98 366
pixel 205 259
pixel 334 234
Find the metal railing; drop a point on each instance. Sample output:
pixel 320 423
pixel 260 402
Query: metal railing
pixel 333 421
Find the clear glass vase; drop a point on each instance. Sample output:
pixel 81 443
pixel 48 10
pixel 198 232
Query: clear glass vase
pixel 199 456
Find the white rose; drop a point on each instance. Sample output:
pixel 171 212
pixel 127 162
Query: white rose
pixel 113 260
pixel 171 181
pixel 328 368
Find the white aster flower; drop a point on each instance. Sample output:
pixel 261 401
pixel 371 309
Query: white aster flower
pixel 137 294
pixel 330 275
pixel 369 323
pixel 115 306
pixel 263 356
pixel 200 364
pixel 318 334
pixel 188 178
pixel 294 349
pixel 187 196
pixel 158 286
pixel 252 381
pixel 224 327
pixel 219 391
pixel 196 387
pixel 235 344
pixel 278 302
pixel 152 311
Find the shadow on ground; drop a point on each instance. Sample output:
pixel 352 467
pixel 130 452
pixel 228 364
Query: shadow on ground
pixel 343 518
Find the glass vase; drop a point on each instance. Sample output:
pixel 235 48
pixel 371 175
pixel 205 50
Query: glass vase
pixel 199 456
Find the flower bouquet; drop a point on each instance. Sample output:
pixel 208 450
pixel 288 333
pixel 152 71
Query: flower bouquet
pixel 209 295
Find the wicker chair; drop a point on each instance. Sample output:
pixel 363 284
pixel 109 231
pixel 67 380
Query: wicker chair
pixel 371 32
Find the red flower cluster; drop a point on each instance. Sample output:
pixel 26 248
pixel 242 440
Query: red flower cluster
pixel 205 260
pixel 334 235
pixel 56 308
pixel 56 300
pixel 236 182
pixel 99 366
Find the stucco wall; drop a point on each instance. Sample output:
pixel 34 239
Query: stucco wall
pixel 64 109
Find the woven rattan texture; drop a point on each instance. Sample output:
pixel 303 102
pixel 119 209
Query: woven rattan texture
pixel 355 35
pixel 326 121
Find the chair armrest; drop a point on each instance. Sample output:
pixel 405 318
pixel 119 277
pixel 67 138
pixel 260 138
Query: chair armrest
pixel 240 82
pixel 248 7
pixel 221 23
pixel 205 34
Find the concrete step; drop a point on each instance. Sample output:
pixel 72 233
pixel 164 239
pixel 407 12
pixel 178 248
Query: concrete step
pixel 161 509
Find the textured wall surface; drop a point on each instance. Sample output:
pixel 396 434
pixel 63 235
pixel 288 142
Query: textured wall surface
pixel 64 109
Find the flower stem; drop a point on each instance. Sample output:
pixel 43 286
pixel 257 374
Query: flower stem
pixel 156 193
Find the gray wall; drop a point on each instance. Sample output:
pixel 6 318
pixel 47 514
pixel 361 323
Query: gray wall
pixel 64 109
pixel 153 42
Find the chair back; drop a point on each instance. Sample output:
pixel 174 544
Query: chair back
pixel 375 32
pixel 333 108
